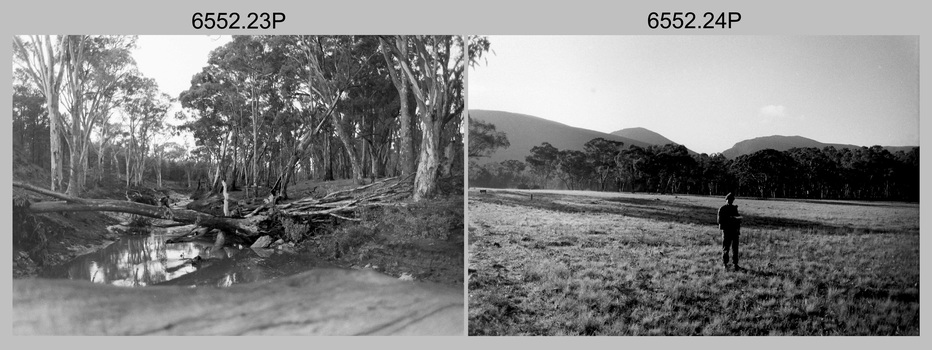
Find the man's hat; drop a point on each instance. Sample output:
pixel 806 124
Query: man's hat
pixel 729 197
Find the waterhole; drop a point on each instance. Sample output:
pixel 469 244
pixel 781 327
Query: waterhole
pixel 145 260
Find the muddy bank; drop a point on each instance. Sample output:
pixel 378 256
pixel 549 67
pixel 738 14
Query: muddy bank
pixel 318 302
pixel 44 240
pixel 421 241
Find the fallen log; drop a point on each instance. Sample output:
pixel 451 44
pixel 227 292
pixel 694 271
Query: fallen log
pixel 342 205
pixel 317 302
pixel 245 227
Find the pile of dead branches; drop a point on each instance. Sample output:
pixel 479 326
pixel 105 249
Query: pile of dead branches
pixel 344 204
pixel 341 204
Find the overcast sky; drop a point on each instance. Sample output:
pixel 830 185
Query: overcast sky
pixel 172 60
pixel 709 92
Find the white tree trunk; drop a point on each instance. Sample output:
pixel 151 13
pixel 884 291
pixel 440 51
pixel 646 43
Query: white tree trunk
pixel 425 182
pixel 160 170
pixel 128 165
pixel 226 199
pixel 349 146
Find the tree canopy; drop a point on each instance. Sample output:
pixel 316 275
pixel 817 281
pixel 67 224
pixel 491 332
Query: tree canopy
pixel 265 111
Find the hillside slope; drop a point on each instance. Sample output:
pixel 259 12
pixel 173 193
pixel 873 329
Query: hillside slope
pixel 643 135
pixel 783 143
pixel 525 132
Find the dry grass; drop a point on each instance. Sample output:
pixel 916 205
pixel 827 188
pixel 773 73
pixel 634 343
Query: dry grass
pixel 623 264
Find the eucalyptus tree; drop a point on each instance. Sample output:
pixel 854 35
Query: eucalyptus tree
pixel 674 165
pixel 765 171
pixel 30 121
pixel 713 175
pixel 97 67
pixel 434 66
pixel 106 134
pixel 574 169
pixel 601 154
pixel 144 109
pixel 543 162
pixel 907 174
pixel 249 67
pixel 41 58
pixel 513 172
pixel 217 109
pixel 333 63
pixel 406 107
pixel 484 139
pixel 331 102
pixel 815 172
pixel 375 103
pixel 633 165
pixel 316 73
pixel 166 151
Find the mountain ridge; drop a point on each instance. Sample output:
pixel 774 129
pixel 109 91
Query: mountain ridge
pixel 643 135
pixel 784 143
pixel 526 131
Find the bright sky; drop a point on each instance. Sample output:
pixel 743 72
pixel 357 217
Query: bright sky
pixel 709 92
pixel 172 60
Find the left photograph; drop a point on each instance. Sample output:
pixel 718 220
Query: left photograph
pixel 238 185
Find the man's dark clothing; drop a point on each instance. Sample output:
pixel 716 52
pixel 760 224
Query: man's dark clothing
pixel 730 240
pixel 731 229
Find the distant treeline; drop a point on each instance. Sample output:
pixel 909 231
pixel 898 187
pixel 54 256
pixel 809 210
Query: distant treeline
pixel 871 173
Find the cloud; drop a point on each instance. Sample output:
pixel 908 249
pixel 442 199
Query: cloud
pixel 777 114
pixel 773 111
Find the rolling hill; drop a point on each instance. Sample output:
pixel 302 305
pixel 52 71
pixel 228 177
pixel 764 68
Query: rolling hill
pixel 777 142
pixel 783 143
pixel 643 135
pixel 525 132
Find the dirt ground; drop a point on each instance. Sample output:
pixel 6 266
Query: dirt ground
pixel 55 238
pixel 431 260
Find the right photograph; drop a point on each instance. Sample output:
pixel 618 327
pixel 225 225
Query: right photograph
pixel 694 185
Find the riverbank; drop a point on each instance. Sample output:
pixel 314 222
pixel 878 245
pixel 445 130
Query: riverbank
pixel 417 241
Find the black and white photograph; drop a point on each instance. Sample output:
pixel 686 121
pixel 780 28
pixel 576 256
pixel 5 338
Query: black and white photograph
pixel 238 185
pixel 723 185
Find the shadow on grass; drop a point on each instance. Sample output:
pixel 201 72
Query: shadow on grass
pixel 907 296
pixel 658 209
pixel 847 203
pixel 762 273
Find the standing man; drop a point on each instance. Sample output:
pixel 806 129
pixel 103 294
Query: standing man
pixel 730 223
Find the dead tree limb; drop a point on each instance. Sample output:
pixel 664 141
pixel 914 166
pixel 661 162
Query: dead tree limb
pixel 46 192
pixel 341 204
pixel 245 227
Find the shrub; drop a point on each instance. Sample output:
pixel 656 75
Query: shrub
pixel 347 240
pixel 294 229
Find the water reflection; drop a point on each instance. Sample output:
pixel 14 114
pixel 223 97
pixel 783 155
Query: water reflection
pixel 136 261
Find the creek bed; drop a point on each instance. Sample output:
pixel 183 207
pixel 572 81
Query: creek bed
pixel 144 260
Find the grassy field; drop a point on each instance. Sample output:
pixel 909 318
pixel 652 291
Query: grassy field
pixel 590 263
